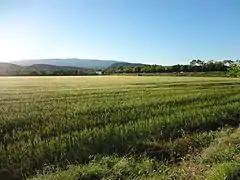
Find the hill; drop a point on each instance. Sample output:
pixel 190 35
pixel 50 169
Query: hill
pixel 125 64
pixel 74 62
pixel 8 67
pixel 51 67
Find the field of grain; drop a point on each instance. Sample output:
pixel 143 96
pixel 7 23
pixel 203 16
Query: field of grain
pixel 119 128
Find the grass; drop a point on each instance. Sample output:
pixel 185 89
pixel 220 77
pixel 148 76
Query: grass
pixel 123 127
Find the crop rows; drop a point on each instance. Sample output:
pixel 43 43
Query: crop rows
pixel 57 122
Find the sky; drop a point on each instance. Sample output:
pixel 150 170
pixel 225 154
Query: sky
pixel 147 31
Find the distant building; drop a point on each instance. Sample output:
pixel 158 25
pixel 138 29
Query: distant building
pixel 99 72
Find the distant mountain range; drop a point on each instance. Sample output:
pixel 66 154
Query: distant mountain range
pixel 74 62
pixel 51 67
pixel 61 64
pixel 6 68
pixel 83 63
pixel 125 64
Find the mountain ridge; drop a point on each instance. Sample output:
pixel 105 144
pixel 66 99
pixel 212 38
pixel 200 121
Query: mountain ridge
pixel 74 62
pixel 125 64
pixel 8 69
pixel 51 67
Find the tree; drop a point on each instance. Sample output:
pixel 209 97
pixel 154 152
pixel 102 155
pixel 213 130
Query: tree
pixel 193 62
pixel 177 68
pixel 228 63
pixel 234 71
pixel 137 69
pixel 120 69
pixel 34 73
pixel 237 62
pixel 200 62
pixel 43 72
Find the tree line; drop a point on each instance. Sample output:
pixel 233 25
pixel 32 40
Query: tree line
pixel 60 72
pixel 194 66
pixel 231 67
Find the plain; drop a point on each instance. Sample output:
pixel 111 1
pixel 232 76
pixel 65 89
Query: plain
pixel 119 127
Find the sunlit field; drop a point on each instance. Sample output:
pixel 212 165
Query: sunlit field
pixel 119 127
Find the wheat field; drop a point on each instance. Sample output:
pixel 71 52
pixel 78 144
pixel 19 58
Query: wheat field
pixel 119 127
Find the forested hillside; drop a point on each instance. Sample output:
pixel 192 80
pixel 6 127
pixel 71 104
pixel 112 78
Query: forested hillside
pixel 8 69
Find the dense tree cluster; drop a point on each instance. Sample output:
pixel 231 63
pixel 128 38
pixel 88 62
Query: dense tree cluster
pixel 60 72
pixel 194 66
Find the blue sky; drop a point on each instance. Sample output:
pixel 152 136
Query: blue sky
pixel 147 31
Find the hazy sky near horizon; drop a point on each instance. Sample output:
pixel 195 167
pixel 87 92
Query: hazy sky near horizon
pixel 146 31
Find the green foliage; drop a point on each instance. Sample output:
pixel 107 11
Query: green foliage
pixel 109 168
pixel 234 71
pixel 143 167
pixel 224 170
pixel 198 66
pixel 194 66
pixel 49 123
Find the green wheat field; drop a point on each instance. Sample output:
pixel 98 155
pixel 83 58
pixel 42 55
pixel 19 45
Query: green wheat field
pixel 119 127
